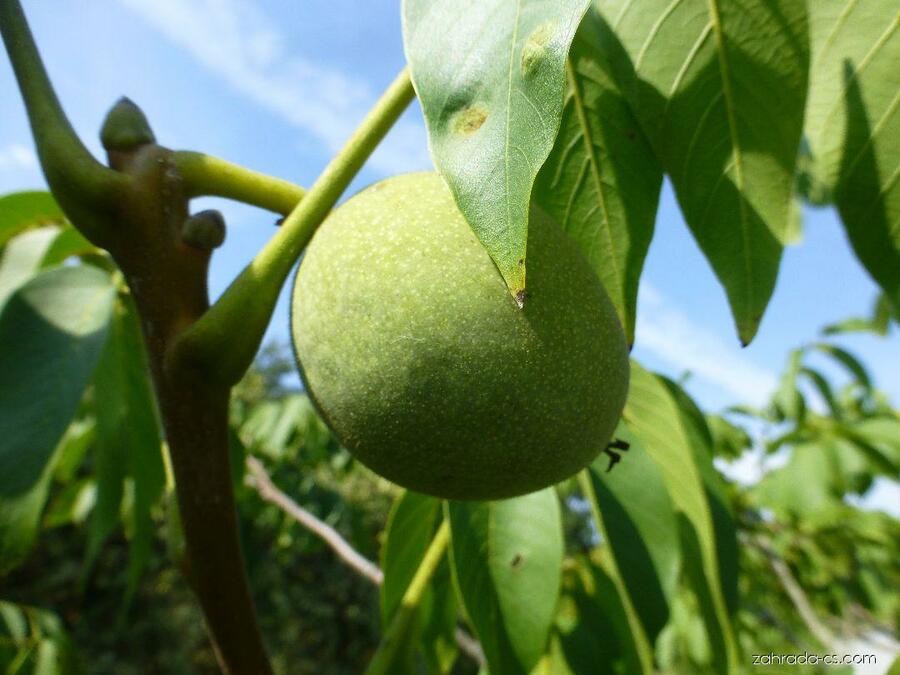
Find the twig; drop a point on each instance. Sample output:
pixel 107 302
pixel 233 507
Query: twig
pixel 795 592
pixel 260 480
pixel 267 490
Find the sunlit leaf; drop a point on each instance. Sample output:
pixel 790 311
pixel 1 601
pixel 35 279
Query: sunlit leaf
pixel 65 313
pixel 853 126
pixel 21 258
pixel 656 417
pixel 21 211
pixel 68 243
pixel 601 181
pixel 491 79
pixel 720 89
pixel 729 440
pixel 506 558
pixel 849 361
pixel 800 487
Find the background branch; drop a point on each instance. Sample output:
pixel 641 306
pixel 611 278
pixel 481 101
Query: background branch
pixel 260 480
pixel 795 592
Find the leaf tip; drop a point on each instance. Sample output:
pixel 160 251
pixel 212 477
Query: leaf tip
pixel 519 297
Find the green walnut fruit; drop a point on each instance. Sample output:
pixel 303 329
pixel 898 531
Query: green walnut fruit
pixel 418 358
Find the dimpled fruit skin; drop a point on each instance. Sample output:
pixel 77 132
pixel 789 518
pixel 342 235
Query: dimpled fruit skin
pixel 417 357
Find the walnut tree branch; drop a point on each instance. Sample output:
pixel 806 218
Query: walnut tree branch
pixel 84 188
pixel 259 479
pixel 795 592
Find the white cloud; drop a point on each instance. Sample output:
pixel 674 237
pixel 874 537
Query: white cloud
pixel 671 335
pixel 17 157
pixel 240 44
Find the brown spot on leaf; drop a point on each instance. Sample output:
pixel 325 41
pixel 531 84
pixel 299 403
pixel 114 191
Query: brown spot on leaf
pixel 469 119
pixel 516 562
pixel 534 51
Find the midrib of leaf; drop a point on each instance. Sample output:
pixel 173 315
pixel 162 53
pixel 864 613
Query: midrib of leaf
pixel 860 67
pixel 509 88
pixel 642 645
pixel 698 505
pixel 595 173
pixel 728 94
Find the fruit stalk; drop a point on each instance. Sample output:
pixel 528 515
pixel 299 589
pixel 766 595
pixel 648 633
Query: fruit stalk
pixel 207 176
pixel 224 341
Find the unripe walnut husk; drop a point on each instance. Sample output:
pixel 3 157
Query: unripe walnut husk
pixel 420 361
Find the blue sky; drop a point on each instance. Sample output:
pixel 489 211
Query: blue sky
pixel 277 85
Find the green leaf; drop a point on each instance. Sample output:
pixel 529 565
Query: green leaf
pixel 128 435
pixel 824 389
pixel 787 402
pixel 720 90
pixel 853 365
pixel 64 313
pixel 438 611
pixel 589 607
pixel 506 558
pixel 878 438
pixel 34 641
pixel 20 211
pixel 410 530
pixel 800 487
pixel 21 258
pixel 853 126
pixel 878 323
pixel 883 432
pixel 601 181
pixel 68 243
pixel 72 505
pixel 637 519
pixel 729 440
pixel 79 437
pixel 491 79
pixel 655 416
pixel 700 441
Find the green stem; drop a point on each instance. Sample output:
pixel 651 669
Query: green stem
pixel 204 175
pixel 224 341
pixel 78 180
pixel 383 661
